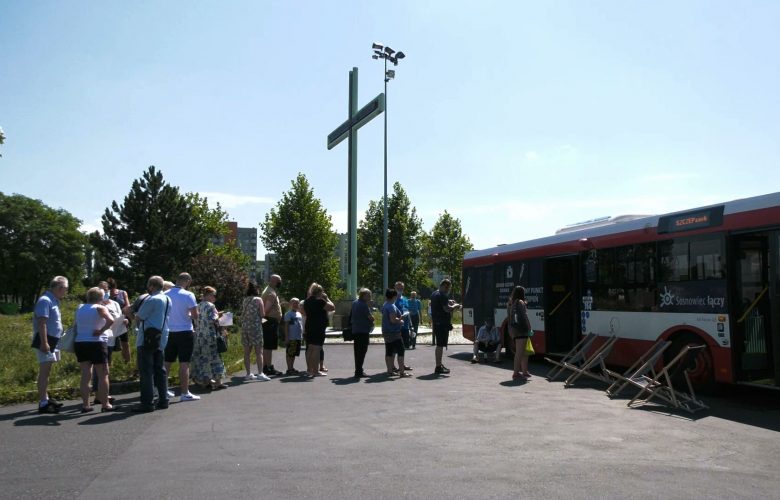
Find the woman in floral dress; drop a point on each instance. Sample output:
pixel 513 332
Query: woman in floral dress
pixel 206 367
pixel 252 312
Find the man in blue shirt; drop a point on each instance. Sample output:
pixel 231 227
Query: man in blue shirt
pixel 403 305
pixel 47 330
pixel 153 319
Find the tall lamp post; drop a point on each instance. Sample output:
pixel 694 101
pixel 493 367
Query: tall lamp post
pixel 387 54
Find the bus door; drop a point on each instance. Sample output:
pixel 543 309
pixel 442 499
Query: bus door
pixel 561 303
pixel 754 330
pixel 478 293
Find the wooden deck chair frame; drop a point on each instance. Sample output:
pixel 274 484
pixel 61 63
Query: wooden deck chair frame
pixel 576 355
pixel 661 386
pixel 597 359
pixel 642 367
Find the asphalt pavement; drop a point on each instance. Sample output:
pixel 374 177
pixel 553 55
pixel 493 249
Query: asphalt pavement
pixel 472 434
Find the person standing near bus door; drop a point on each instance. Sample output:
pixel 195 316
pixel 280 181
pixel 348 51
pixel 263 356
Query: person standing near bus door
pixel 519 329
pixel 441 320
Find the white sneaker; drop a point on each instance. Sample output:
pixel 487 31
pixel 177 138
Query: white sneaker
pixel 170 394
pixel 262 377
pixel 189 397
pixel 250 376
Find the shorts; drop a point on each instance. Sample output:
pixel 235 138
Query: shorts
pixel 180 346
pixel 49 357
pixel 317 339
pixel 485 347
pixel 442 334
pixel 91 352
pixel 271 334
pixel 293 348
pixel 395 347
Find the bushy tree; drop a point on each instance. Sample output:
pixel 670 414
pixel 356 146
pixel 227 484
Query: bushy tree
pixel 222 272
pixel 444 248
pixel 36 243
pixel 156 230
pixel 403 242
pixel 300 232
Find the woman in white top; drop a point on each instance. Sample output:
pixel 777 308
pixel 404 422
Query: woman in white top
pixel 119 328
pixel 92 322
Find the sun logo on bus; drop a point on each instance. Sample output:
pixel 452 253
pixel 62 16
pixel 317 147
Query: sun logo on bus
pixel 666 297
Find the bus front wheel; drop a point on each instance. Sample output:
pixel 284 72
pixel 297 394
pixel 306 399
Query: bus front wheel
pixel 702 373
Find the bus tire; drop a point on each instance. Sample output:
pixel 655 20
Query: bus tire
pixel 702 374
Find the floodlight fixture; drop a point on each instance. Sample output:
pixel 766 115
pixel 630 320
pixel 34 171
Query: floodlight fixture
pixel 375 56
pixel 400 55
pixel 377 45
pixel 390 74
pixel 389 51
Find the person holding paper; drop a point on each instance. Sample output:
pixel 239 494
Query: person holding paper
pixel 207 367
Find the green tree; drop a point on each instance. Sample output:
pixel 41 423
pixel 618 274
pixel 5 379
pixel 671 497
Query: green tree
pixel 156 230
pixel 36 243
pixel 403 242
pixel 300 232
pixel 444 248
pixel 223 272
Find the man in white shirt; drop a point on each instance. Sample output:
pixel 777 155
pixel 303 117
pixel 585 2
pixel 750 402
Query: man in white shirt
pixel 181 339
pixel 488 340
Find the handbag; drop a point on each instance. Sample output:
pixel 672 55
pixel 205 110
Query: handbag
pixel 222 344
pixel 68 340
pixel 529 348
pixel 346 333
pixel 520 320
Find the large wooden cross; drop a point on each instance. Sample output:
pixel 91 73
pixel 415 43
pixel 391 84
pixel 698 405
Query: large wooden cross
pixel 348 130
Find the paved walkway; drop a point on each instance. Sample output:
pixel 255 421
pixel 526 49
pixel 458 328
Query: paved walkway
pixel 473 434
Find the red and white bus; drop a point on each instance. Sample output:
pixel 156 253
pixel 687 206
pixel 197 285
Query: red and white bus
pixel 709 275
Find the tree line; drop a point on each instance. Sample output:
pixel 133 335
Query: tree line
pixel 158 230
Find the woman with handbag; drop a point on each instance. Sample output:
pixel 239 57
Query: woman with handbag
pixel 206 367
pixel 519 331
pixel 93 322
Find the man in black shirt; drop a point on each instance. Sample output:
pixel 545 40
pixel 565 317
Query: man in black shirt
pixel 441 321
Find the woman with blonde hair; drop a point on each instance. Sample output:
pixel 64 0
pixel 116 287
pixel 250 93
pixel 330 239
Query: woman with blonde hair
pixel 93 324
pixel 519 331
pixel 316 308
pixel 207 368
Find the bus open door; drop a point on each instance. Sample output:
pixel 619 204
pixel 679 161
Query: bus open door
pixel 561 303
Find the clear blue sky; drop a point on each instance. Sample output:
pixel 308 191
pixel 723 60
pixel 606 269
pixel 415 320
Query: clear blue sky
pixel 517 117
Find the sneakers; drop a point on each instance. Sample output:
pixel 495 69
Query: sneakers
pixel 143 408
pixel 48 408
pixel 57 404
pixel 188 397
pixel 474 360
pixel 250 376
pixel 441 369
pixel 404 375
pixel 262 377
pixel 170 394
pixel 162 405
pixel 292 371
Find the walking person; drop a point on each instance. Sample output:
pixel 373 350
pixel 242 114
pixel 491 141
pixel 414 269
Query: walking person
pixel 519 330
pixel 392 319
pixel 207 367
pixel 152 329
pixel 93 321
pixel 362 326
pixel 252 313
pixel 415 310
pixel 47 330
pixel 273 316
pixel 316 308
pixel 181 340
pixel 441 321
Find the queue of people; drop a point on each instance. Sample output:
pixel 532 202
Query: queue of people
pixel 171 325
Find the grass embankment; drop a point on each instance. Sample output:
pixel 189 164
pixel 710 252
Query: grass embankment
pixel 19 366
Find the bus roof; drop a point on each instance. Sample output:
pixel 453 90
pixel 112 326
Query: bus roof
pixel 619 225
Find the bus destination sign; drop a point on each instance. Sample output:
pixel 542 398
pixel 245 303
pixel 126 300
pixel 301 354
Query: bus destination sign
pixel 688 221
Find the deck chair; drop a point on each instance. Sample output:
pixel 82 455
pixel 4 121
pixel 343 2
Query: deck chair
pixel 576 355
pixel 597 360
pixel 643 367
pixel 661 386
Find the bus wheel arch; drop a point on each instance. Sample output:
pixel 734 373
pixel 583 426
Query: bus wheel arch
pixel 702 375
